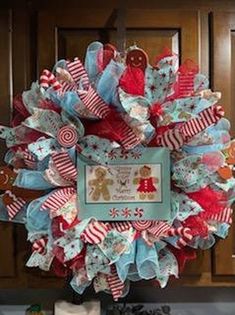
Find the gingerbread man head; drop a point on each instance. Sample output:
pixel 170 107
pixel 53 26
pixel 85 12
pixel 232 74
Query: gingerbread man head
pixel 231 153
pixel 100 173
pixel 7 178
pixel 145 171
pixel 137 58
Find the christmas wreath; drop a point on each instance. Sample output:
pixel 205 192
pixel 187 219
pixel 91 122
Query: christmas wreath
pixel 119 170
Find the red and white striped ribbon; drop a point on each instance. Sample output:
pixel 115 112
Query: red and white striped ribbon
pixel 207 117
pixel 159 228
pixel 93 102
pixel 65 166
pixel 224 216
pixel 172 139
pixel 94 233
pixel 121 226
pixel 29 159
pixel 127 137
pixel 68 86
pixel 14 207
pixel 175 138
pixel 115 284
pixel 47 79
pixel 78 72
pixel 184 234
pixel 39 245
pixel 58 198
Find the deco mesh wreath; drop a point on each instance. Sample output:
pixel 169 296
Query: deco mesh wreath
pixel 120 170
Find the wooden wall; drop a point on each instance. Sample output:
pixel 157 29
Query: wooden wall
pixel 27 44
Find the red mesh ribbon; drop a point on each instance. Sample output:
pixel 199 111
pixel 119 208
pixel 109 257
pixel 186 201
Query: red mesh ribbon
pixel 114 128
pixel 132 81
pixel 197 226
pixel 19 111
pixel 183 255
pixel 210 200
pixel 166 53
pixel 120 226
pixel 105 55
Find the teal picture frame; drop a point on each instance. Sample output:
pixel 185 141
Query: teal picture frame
pixel 126 188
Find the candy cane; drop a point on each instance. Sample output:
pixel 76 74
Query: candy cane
pixel 47 79
pixel 184 234
pixel 39 245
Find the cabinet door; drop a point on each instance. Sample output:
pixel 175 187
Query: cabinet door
pixel 223 79
pixel 65 34
pixel 7 267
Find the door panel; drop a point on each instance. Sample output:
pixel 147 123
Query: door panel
pixel 57 28
pixel 66 35
pixel 7 265
pixel 223 75
pixel 186 22
pixel 153 41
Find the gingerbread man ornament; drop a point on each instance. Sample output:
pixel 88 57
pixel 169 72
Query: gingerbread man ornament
pixel 146 183
pixel 137 58
pixel 100 185
pixel 227 171
pixel 13 193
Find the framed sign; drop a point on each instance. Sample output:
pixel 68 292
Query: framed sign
pixel 127 188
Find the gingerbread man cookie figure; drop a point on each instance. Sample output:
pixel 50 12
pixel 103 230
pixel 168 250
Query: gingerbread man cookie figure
pixel 145 182
pixel 137 58
pixel 100 185
pixel 14 193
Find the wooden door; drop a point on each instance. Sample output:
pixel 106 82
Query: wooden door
pixel 66 34
pixel 223 79
pixel 7 267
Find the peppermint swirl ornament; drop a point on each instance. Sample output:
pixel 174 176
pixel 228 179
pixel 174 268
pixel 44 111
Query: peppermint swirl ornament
pixel 67 136
pixel 141 225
